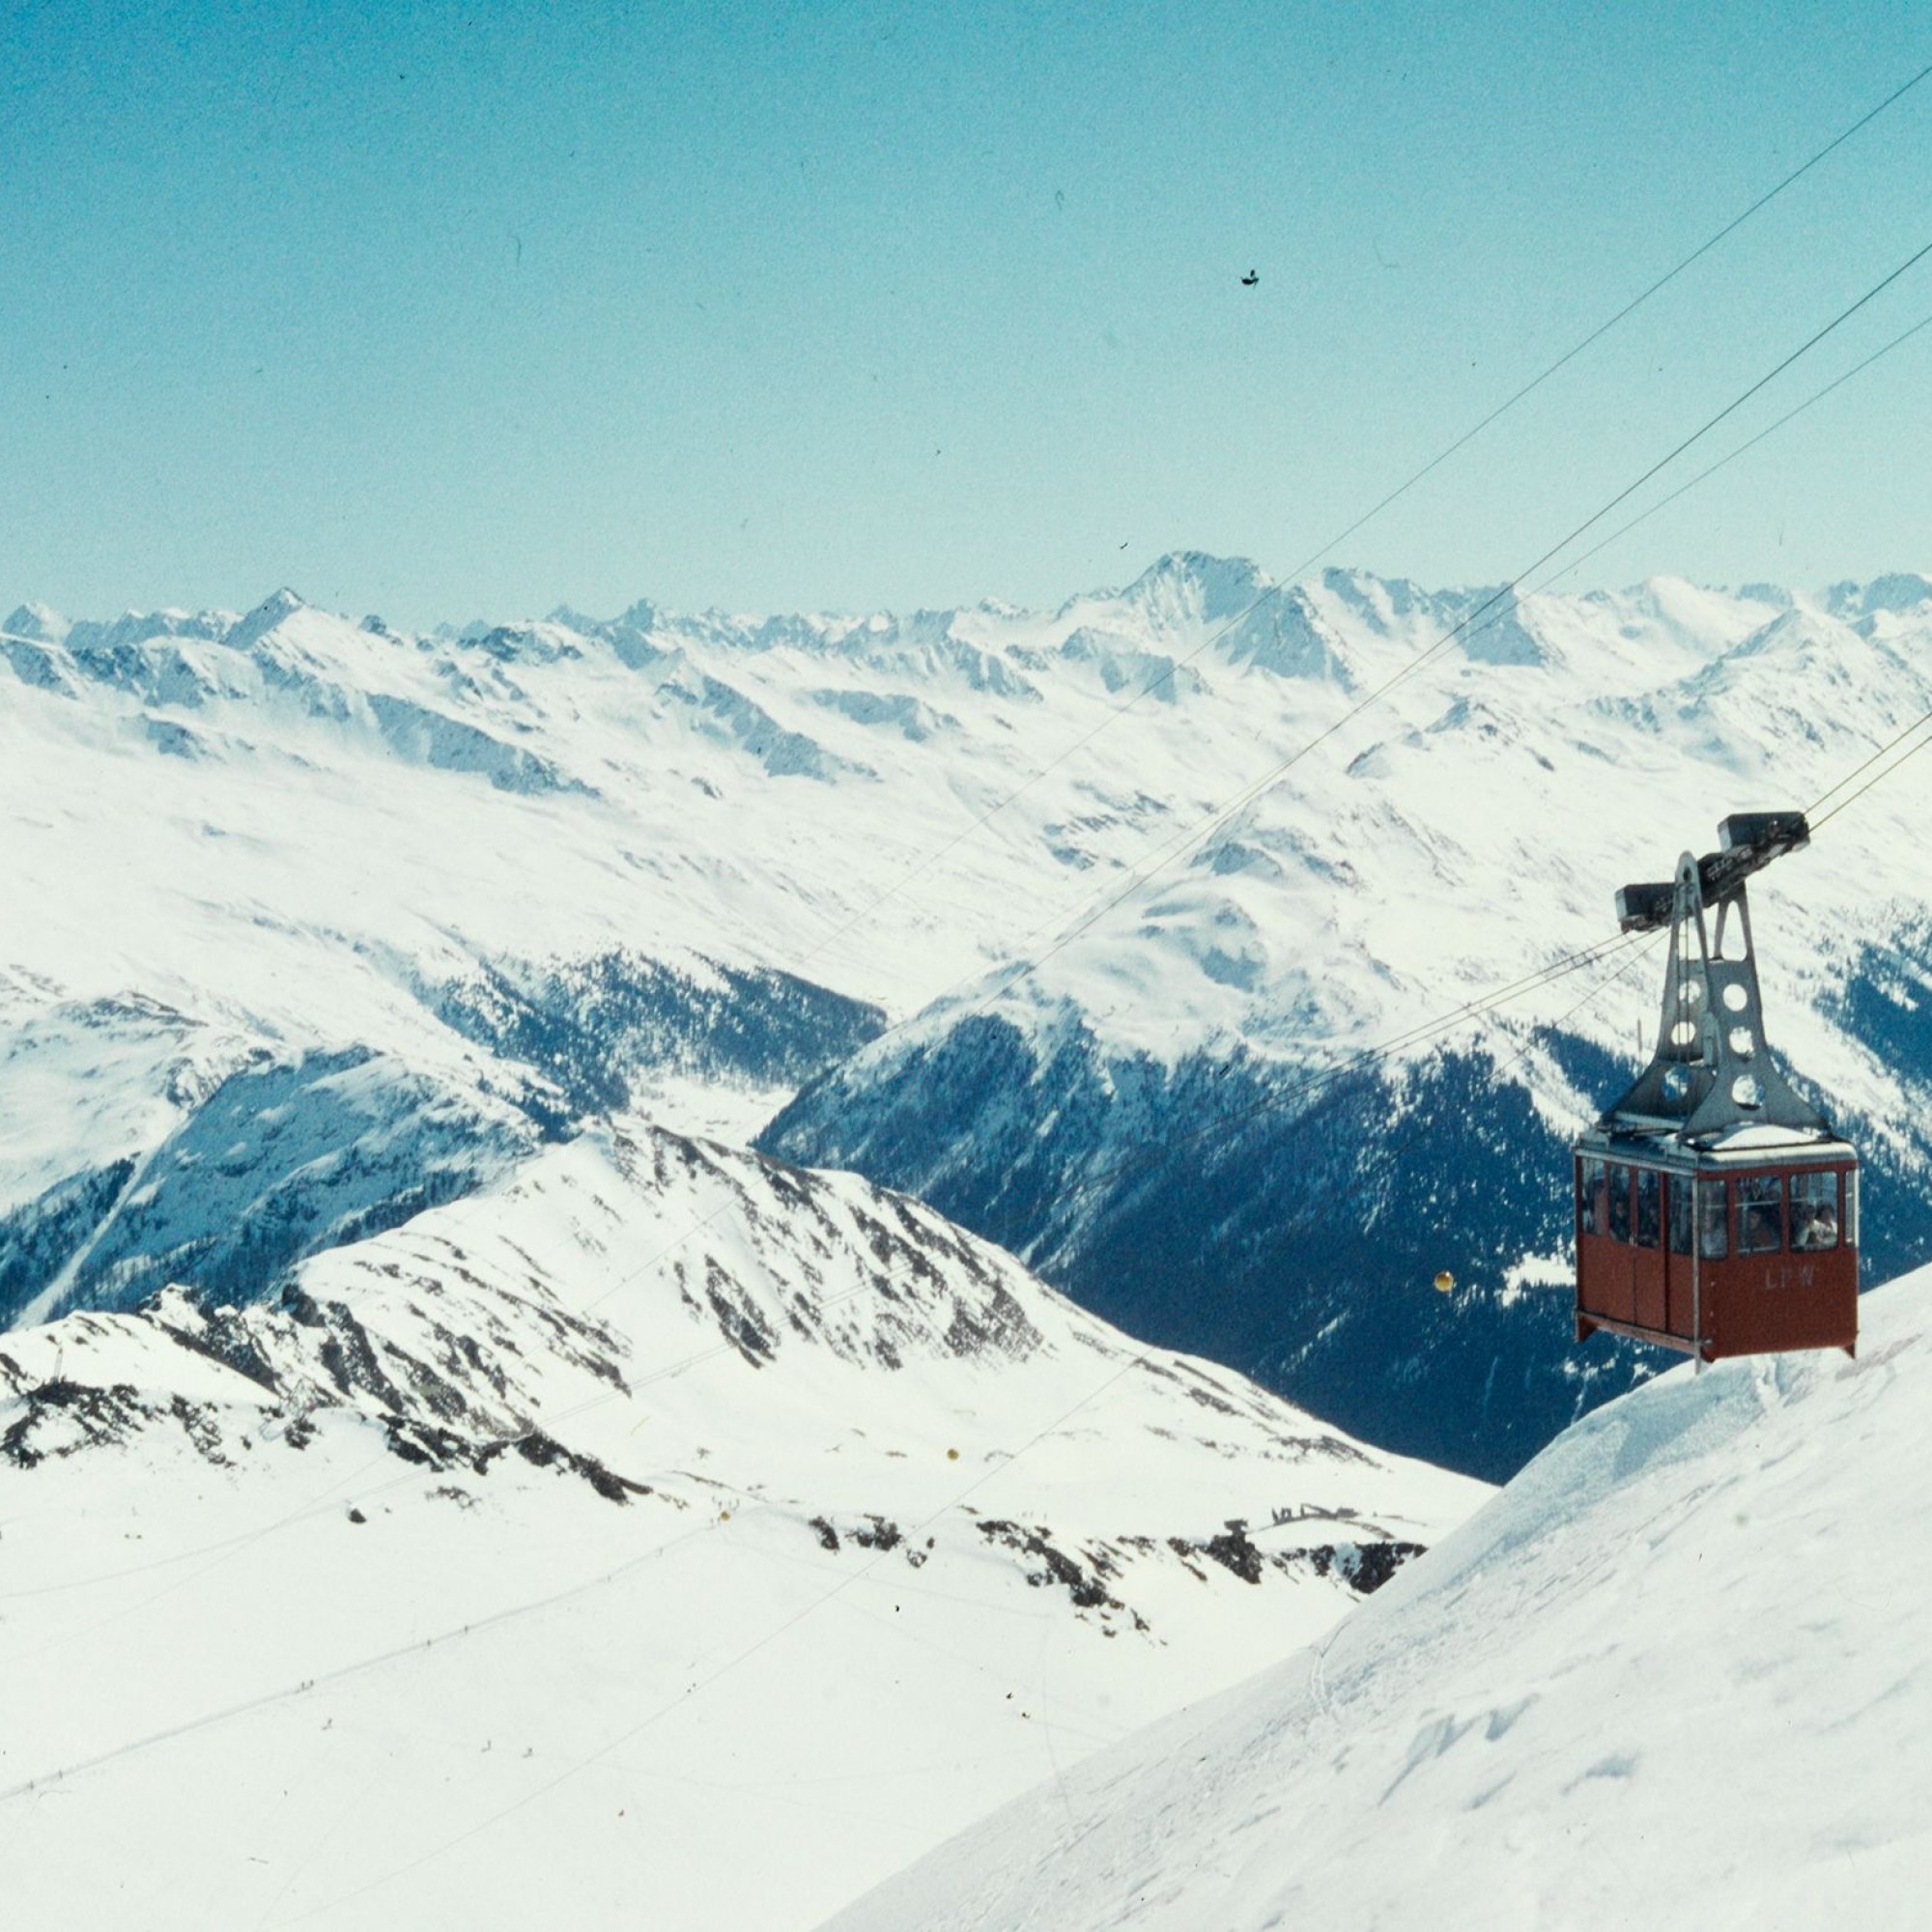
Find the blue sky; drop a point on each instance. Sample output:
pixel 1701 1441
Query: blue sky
pixel 442 311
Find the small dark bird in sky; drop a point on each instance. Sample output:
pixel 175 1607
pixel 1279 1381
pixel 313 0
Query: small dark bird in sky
pixel 1251 278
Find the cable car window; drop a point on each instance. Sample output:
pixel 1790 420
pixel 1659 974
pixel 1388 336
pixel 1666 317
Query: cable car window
pixel 1851 1208
pixel 1595 1198
pixel 1814 1212
pixel 1680 1215
pixel 1619 1229
pixel 1649 1207
pixel 1714 1221
pixel 1760 1213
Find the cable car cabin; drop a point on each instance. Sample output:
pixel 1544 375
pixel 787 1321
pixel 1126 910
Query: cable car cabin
pixel 1718 1252
pixel 1717 1212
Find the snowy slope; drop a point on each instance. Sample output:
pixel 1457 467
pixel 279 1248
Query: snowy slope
pixel 1134 1116
pixel 1674 1674
pixel 747 788
pixel 658 1530
pixel 687 862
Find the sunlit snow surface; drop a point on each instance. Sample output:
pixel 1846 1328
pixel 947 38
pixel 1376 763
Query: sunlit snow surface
pixel 521 866
pixel 289 821
pixel 1676 1673
pixel 661 1535
pixel 310 928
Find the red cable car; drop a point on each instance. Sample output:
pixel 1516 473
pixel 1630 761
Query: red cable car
pixel 1717 1211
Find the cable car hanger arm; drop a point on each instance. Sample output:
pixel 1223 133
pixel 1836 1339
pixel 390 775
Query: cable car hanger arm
pixel 1747 841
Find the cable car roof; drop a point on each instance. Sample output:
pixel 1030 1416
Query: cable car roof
pixel 1758 1144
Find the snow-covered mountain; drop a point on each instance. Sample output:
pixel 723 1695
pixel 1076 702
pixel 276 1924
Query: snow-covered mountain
pixel 311 924
pixel 657 1529
pixel 1675 1674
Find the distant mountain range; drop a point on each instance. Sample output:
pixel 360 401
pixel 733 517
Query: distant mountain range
pixel 313 926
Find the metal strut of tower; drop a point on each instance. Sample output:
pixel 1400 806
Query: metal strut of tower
pixel 1710 1071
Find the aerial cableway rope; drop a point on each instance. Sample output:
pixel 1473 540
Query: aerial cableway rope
pixel 797 1618
pixel 1919 724
pixel 1724 462
pixel 1319 1079
pixel 1704 476
pixel 1178 843
pixel 1813 813
pixel 1168 671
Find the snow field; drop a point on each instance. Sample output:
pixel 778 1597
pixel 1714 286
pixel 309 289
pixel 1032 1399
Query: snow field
pixel 688 785
pixel 1675 1673
pixel 504 1695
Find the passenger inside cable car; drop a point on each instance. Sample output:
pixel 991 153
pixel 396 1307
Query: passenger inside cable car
pixel 1714 1234
pixel 1814 1212
pixel 1760 1213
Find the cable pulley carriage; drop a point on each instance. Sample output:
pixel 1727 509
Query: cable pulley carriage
pixel 1717 1211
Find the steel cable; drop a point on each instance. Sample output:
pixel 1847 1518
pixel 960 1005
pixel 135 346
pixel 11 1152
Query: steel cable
pixel 1168 672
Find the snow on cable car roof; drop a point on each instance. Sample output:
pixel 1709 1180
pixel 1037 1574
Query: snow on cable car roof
pixel 1760 1136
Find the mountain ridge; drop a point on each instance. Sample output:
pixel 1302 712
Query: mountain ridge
pixel 654 1502
pixel 302 846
